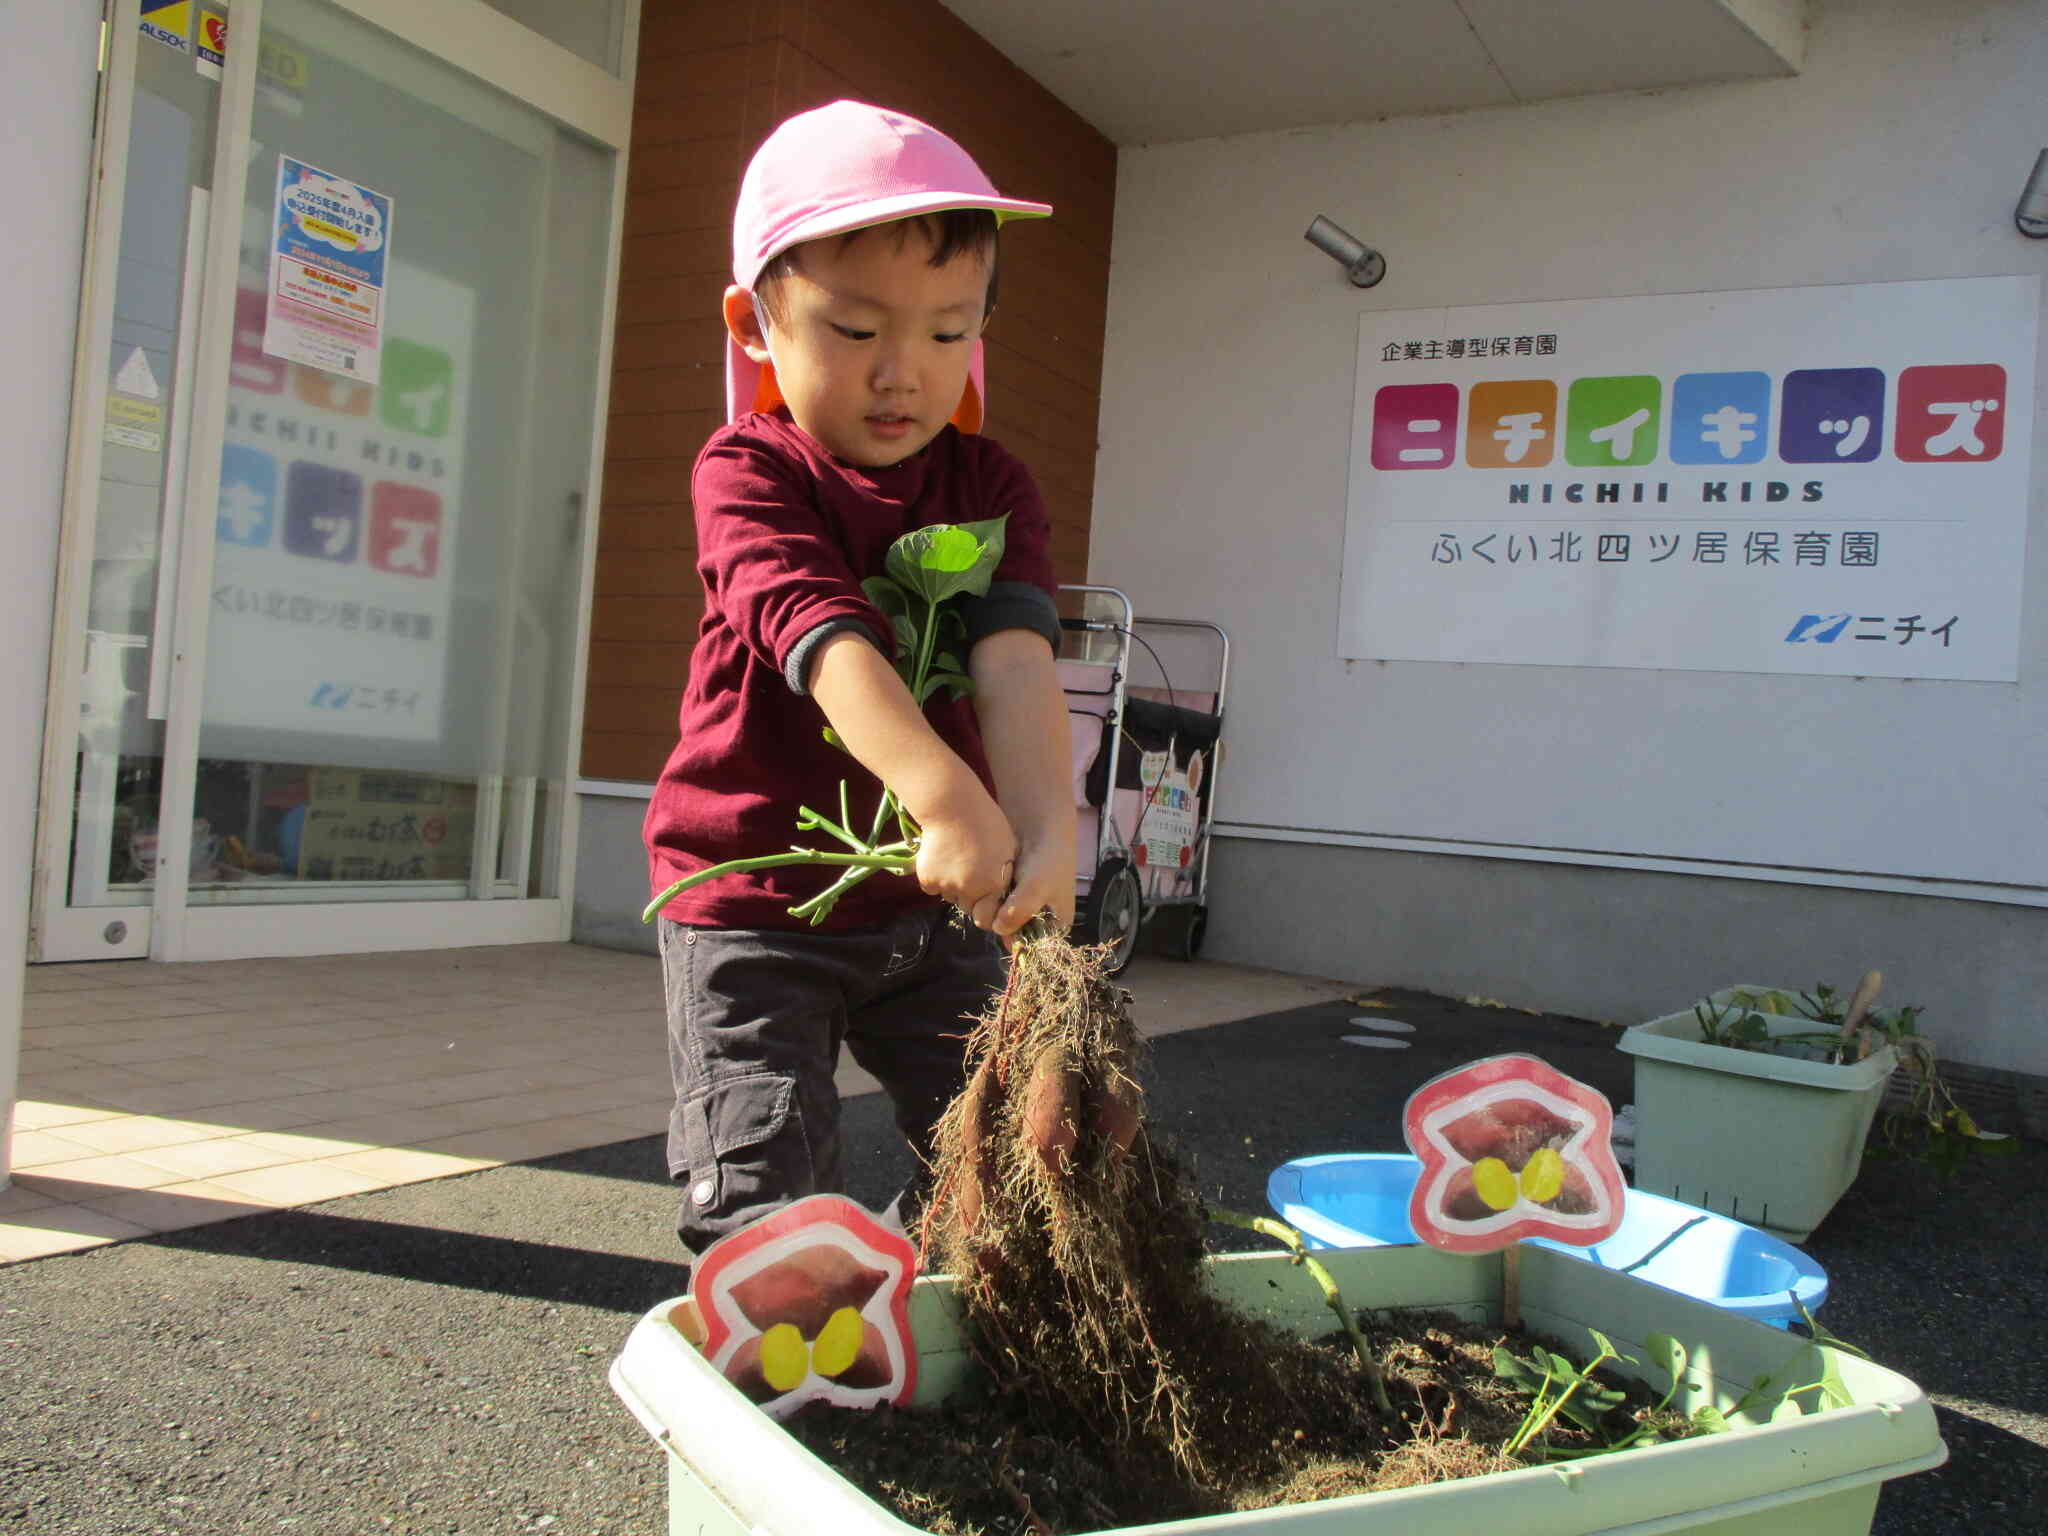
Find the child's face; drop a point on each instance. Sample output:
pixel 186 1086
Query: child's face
pixel 872 344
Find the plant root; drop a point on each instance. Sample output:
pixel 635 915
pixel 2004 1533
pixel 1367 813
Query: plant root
pixel 1076 1239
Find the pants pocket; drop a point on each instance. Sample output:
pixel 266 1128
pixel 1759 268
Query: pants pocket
pixel 746 1152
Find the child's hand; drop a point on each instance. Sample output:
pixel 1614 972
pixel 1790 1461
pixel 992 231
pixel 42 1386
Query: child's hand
pixel 969 857
pixel 1044 879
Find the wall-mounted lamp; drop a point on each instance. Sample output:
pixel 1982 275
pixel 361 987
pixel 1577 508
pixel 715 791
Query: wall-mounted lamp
pixel 2032 213
pixel 1361 263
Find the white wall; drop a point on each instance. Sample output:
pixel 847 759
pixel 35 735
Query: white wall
pixel 43 163
pixel 611 874
pixel 1227 407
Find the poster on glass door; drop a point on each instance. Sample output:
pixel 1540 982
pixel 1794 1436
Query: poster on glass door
pixel 329 244
pixel 332 592
pixel 1828 480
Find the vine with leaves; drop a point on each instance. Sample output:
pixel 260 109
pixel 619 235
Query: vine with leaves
pixel 925 575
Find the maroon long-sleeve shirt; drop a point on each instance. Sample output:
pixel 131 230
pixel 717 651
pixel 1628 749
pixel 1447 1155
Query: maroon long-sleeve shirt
pixel 785 535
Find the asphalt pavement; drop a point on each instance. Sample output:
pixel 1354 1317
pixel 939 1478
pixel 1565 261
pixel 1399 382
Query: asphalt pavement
pixel 432 1358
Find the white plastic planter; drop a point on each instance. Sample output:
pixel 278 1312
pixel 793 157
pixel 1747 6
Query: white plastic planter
pixel 1769 1140
pixel 733 1471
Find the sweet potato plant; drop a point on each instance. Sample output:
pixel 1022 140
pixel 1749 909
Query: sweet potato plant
pixel 1077 1237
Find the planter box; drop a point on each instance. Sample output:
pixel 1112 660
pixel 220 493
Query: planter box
pixel 1770 1140
pixel 734 1472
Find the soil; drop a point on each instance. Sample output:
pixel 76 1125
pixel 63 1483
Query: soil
pixel 1115 1387
pixel 991 1463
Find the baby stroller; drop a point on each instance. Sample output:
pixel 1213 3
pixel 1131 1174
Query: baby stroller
pixel 1145 746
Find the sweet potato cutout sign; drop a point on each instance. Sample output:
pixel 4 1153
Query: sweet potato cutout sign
pixel 1511 1148
pixel 810 1303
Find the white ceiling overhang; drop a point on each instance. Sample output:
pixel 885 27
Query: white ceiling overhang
pixel 1160 71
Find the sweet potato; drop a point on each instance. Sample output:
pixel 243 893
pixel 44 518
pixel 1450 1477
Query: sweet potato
pixel 1119 1113
pixel 974 1167
pixel 1051 1110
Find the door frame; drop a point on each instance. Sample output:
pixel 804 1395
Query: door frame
pixel 580 97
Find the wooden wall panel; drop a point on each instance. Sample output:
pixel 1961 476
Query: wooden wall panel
pixel 714 79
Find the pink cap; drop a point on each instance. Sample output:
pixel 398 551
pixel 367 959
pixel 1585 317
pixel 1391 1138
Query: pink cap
pixel 838 168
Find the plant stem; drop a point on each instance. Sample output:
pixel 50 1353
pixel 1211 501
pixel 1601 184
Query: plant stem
pixel 934 582
pixel 807 819
pixel 1281 1232
pixel 883 807
pixel 1535 1424
pixel 818 905
pixel 926 640
pixel 893 857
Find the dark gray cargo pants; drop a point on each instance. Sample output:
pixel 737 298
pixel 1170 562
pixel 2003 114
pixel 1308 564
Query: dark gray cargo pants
pixel 756 1019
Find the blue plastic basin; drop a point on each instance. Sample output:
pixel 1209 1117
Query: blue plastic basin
pixel 1360 1200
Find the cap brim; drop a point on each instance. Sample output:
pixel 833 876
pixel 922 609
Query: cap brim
pixel 887 210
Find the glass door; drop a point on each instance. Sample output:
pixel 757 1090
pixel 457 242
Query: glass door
pixel 104 756
pixel 326 662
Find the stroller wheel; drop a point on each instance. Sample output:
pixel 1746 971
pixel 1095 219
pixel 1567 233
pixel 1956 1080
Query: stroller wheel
pixel 1115 908
pixel 1191 935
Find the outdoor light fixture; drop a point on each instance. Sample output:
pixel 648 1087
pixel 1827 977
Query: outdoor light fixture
pixel 1366 266
pixel 2032 213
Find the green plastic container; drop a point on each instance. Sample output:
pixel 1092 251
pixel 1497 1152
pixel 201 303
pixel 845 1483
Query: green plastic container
pixel 1769 1140
pixel 734 1472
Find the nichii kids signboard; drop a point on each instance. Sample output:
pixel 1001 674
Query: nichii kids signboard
pixel 1799 480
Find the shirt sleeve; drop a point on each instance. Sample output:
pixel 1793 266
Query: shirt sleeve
pixel 1021 593
pixel 796 669
pixel 770 567
pixel 1013 605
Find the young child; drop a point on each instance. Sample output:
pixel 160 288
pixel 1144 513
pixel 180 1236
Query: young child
pixel 864 267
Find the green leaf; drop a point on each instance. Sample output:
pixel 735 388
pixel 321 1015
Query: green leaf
pixel 1515 1371
pixel 960 685
pixel 1574 1408
pixel 1821 1334
pixel 1832 1387
pixel 1669 1356
pixel 947 559
pixel 906 634
pixel 886 595
pixel 1788 1408
pixel 952 550
pixel 1710 1420
pixel 1666 1353
pixel 1592 1403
